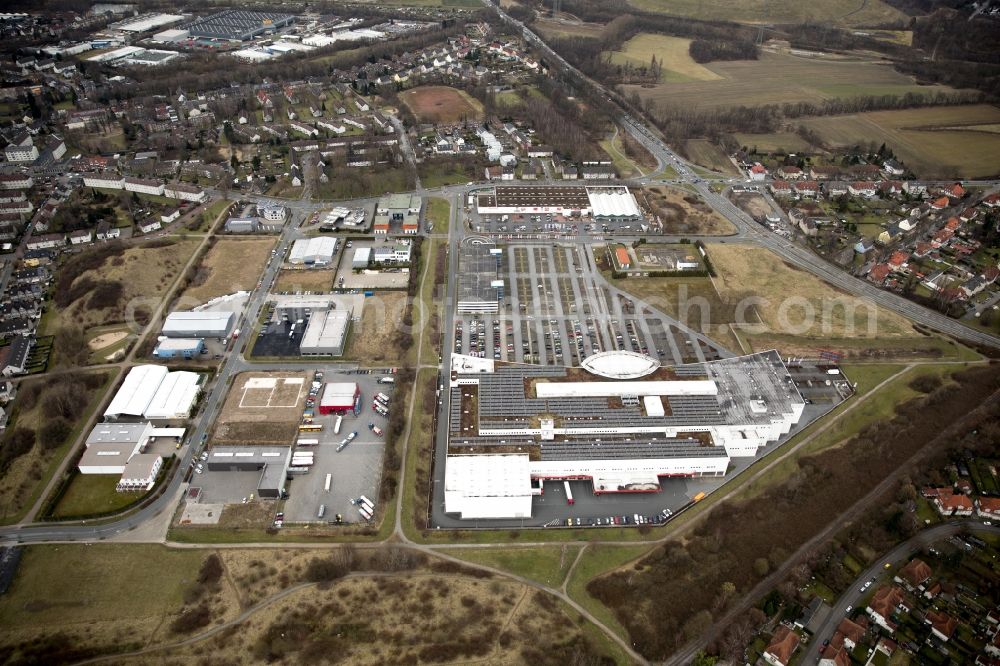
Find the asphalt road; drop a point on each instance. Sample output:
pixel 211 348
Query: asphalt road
pixel 895 557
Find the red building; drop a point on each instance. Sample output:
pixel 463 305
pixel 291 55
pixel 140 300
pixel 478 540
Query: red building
pixel 339 397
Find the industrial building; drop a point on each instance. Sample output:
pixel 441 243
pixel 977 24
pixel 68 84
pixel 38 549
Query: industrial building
pixel 179 348
pixel 317 251
pixel 480 286
pixel 239 24
pixel 120 448
pixel 362 257
pixel 152 392
pixel 611 203
pixel 394 253
pixel 271 461
pixel 326 333
pixel 620 421
pixel 198 324
pixel 339 397
pixel 400 209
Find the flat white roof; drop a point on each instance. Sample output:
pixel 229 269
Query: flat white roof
pixel 179 344
pixel 136 391
pixel 174 396
pixel 620 364
pixel 198 321
pixel 608 389
pixel 326 329
pixel 653 405
pixel 339 393
pixel 504 475
pixel 612 202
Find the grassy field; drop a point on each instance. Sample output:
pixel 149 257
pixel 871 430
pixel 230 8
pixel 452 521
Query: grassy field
pixel 670 52
pixel 372 338
pixel 551 28
pixel 438 211
pixel 707 154
pixel 92 493
pixel 799 313
pixel 441 104
pixel 936 142
pixel 233 264
pixel 787 142
pixel 304 280
pixel 103 596
pixel 597 560
pixel 778 77
pixel 209 215
pixel 24 480
pixel 844 12
pixel 145 274
pixel 545 564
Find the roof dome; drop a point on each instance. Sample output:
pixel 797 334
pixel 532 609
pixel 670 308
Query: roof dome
pixel 620 364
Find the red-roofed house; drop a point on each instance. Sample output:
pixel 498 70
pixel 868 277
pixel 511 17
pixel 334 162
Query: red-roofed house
pixel 790 172
pixel 758 172
pixel 835 654
pixel 940 204
pixel 988 507
pixel 887 600
pixel 781 188
pixel 862 188
pixel 969 214
pixel 808 188
pixel 922 249
pixel 991 273
pixel 879 273
pixel 942 625
pixel 955 191
pixel 954 505
pixel 914 574
pixel 942 237
pixel 852 631
pixel 953 224
pixel 898 259
pixel 783 644
pixel 992 201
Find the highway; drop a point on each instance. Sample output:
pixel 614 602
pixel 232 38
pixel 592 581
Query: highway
pixel 895 557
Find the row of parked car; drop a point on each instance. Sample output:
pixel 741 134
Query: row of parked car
pixel 635 519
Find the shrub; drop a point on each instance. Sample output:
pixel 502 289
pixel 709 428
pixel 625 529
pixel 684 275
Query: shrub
pixel 320 570
pixel 191 619
pixel 54 432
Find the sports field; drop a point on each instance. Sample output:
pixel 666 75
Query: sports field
pixel 843 12
pixel 671 53
pixel 936 142
pixel 441 104
pixel 776 78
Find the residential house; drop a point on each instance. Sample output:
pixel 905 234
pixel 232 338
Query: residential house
pixel 879 273
pixel 790 173
pixel 898 259
pixel 824 172
pixel 837 188
pixel 14 357
pixel 988 507
pixel 942 625
pixel 886 602
pixel 914 188
pixel 955 191
pixel 922 249
pixel 951 504
pixel 783 643
pixel 862 188
pixel 758 172
pixel 46 241
pixel 149 225
pixel 81 236
pixel 940 203
pixel 170 215
pixel 893 168
pixel 106 232
pixel 992 201
pixel 914 574
pixel 807 188
pixel 781 188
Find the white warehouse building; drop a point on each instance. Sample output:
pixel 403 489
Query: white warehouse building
pixel 152 392
pixel 198 324
pixel 317 251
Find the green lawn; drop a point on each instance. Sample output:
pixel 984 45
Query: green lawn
pixel 545 564
pixel 440 174
pixel 97 583
pixel 209 214
pixel 92 493
pixel 438 211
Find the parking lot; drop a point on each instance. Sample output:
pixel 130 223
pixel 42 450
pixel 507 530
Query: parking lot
pixel 390 278
pixel 515 227
pixel 557 310
pixel 354 471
